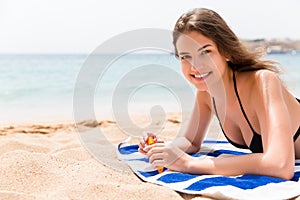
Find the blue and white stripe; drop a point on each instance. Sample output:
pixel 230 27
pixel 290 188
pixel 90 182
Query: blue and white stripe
pixel 236 187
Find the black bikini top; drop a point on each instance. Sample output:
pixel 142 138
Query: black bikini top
pixel 256 145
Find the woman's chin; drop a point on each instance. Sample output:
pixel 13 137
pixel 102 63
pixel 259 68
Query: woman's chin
pixel 201 88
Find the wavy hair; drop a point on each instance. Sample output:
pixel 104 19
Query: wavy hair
pixel 213 26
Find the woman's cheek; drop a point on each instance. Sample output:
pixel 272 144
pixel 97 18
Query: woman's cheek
pixel 186 73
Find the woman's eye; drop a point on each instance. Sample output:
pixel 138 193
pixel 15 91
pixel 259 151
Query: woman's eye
pixel 204 52
pixel 185 57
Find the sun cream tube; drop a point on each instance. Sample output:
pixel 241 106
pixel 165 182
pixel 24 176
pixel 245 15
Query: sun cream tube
pixel 150 140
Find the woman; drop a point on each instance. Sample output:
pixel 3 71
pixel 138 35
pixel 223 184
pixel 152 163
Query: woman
pixel 253 107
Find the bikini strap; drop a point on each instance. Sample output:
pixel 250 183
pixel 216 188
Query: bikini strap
pixel 241 106
pixel 215 108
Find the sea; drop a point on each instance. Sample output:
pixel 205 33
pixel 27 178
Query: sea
pixel 38 88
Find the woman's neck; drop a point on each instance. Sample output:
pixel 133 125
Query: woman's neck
pixel 222 90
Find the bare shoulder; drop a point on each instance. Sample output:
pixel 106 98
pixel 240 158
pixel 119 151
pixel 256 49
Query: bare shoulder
pixel 259 81
pixel 272 89
pixel 266 76
pixel 262 86
pixel 268 82
pixel 203 99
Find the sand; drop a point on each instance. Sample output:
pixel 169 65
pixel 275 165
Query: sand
pixel 50 161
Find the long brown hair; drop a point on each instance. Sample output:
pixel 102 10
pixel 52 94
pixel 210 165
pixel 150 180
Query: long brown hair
pixel 211 25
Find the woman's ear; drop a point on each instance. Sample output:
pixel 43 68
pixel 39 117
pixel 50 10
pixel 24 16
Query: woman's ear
pixel 227 58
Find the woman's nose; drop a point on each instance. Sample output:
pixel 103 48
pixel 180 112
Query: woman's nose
pixel 194 68
pixel 199 62
pixel 196 65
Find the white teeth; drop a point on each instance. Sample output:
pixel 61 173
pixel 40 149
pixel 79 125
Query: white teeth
pixel 201 75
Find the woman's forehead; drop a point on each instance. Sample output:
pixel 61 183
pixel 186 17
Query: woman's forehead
pixel 192 40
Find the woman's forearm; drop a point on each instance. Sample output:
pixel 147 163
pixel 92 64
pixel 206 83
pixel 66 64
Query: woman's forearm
pixel 238 165
pixel 185 145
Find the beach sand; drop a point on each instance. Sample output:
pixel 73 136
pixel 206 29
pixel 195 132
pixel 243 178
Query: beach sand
pixel 50 161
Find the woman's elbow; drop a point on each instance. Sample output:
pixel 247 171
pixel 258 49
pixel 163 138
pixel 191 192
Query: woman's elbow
pixel 283 170
pixel 279 167
pixel 286 173
pixel 193 149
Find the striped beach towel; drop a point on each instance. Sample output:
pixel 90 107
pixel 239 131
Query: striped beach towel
pixel 235 187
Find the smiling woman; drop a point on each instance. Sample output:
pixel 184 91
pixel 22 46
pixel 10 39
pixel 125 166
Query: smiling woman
pixel 225 75
pixel 197 65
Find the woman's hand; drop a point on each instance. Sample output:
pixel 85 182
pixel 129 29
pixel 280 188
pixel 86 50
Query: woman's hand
pixel 169 156
pixel 143 142
pixel 142 145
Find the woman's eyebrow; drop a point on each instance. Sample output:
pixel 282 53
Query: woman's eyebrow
pixel 207 45
pixel 183 53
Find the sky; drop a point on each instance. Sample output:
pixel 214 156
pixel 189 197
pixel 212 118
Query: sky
pixel 72 26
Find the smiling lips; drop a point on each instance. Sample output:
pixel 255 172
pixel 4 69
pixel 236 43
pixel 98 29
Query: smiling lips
pixel 201 76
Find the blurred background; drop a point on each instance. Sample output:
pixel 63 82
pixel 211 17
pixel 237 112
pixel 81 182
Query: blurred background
pixel 43 45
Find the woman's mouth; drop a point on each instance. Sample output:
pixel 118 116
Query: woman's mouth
pixel 201 76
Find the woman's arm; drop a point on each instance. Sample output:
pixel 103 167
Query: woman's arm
pixel 191 140
pixel 256 163
pixel 276 122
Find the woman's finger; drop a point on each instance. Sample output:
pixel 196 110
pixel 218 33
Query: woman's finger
pixel 158 163
pixel 141 147
pixel 147 148
pixel 150 135
pixel 152 149
pixel 156 156
pixel 160 141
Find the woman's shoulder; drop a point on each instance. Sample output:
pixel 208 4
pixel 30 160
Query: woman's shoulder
pixel 267 81
pixel 265 75
pixel 260 77
pixel 261 83
pixel 203 98
pixel 266 85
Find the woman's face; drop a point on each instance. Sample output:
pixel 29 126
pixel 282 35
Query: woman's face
pixel 201 62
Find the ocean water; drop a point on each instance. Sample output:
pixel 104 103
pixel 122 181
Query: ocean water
pixel 38 88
